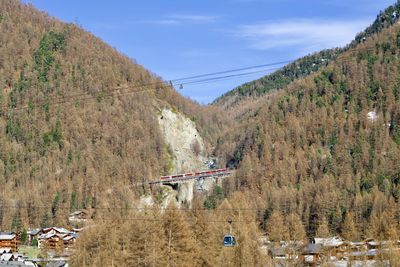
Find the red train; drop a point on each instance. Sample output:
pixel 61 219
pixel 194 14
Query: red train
pixel 193 174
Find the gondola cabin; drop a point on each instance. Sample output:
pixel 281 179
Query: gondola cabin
pixel 229 241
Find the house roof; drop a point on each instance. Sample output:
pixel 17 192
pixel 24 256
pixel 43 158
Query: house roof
pixel 57 264
pixel 15 264
pixel 371 252
pixel 277 251
pixel 357 244
pixel 60 230
pixel 377 243
pixel 312 249
pixel 5 250
pixel 6 257
pixel 78 212
pixel 7 236
pixel 329 242
pixel 34 231
pixel 67 238
pixel 51 235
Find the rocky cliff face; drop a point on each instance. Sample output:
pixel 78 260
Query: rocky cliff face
pixel 186 146
pixel 187 154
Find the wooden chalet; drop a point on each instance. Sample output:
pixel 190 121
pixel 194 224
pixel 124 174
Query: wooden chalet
pixel 9 240
pixel 57 239
pixel 51 242
pixel 34 234
pixel 69 241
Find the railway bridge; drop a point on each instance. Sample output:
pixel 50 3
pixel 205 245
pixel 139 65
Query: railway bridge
pixel 186 177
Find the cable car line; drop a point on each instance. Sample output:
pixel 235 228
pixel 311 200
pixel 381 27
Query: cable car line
pixel 175 82
pixel 232 70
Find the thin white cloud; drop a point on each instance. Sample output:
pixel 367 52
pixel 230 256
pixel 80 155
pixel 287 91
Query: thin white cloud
pixel 179 19
pixel 193 18
pixel 305 34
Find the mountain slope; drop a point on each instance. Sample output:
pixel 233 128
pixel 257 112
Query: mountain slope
pixel 328 144
pixel 79 120
pixel 303 66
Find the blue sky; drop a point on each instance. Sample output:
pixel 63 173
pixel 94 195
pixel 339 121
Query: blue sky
pixel 180 38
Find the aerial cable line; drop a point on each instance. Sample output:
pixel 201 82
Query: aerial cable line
pixel 226 77
pixel 109 93
pixel 229 71
pixel 172 83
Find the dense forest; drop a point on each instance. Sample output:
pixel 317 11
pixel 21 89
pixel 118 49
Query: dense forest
pixel 78 121
pixel 304 66
pixel 327 146
pixel 317 158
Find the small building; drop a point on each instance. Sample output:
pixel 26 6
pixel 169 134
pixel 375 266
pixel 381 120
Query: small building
pixel 78 217
pixel 34 234
pixel 312 254
pixel 375 244
pixel 51 241
pixel 277 253
pixel 56 239
pixel 55 230
pixel 9 240
pixel 364 255
pixel 69 241
pixel 334 247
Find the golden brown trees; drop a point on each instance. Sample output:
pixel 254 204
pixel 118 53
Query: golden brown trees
pixel 276 228
pixel 349 228
pixel 295 228
pixel 323 228
pixel 180 246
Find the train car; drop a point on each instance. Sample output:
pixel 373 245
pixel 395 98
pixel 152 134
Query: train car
pixel 165 177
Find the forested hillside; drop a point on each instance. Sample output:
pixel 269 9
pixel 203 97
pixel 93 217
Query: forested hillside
pixel 79 123
pixel 327 146
pixel 303 66
pixel 317 158
pixel 78 120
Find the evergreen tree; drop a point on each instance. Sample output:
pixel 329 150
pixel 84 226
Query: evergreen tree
pixel 295 227
pixel 323 228
pixel 180 248
pixel 349 229
pixel 206 240
pixel 276 228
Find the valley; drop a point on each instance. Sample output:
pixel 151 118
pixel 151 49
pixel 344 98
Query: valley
pixel 104 163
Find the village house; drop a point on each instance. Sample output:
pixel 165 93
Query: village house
pixel 9 258
pixel 69 241
pixel 9 240
pixel 312 254
pixel 34 234
pixel 55 238
pixel 78 217
pixel 334 247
